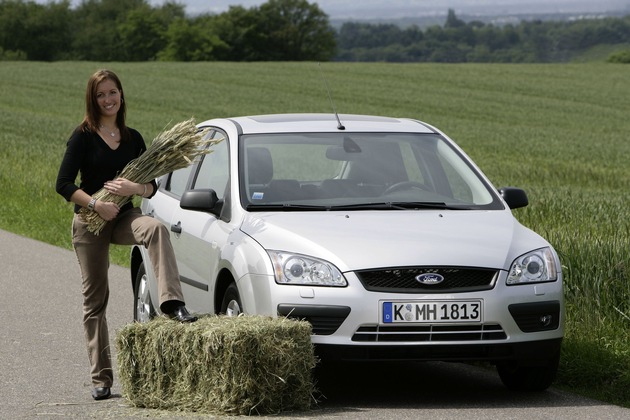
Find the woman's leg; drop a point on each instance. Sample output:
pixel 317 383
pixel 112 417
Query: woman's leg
pixel 93 254
pixel 134 228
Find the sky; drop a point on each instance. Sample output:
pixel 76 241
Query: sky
pixel 388 9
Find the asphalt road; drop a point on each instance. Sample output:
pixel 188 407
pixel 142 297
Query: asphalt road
pixel 44 367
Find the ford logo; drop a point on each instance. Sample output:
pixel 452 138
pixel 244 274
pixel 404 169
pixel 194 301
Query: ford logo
pixel 429 278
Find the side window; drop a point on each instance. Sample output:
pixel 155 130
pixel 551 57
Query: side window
pixel 214 171
pixel 178 180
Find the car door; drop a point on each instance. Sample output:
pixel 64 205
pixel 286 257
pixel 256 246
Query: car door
pixel 200 236
pixel 162 206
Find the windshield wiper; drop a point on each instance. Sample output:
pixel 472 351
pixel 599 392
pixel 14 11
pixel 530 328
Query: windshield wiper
pixel 396 205
pixel 429 205
pixel 285 207
pixel 367 206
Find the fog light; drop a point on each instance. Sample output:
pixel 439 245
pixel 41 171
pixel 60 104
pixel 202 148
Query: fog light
pixel 536 316
pixel 545 320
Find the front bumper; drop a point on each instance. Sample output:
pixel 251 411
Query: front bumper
pixel 519 322
pixel 529 353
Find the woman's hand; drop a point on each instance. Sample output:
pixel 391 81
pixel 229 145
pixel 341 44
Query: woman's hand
pixel 123 187
pixel 108 210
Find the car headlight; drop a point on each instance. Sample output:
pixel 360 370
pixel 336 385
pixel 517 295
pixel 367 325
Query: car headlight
pixel 534 267
pixel 300 269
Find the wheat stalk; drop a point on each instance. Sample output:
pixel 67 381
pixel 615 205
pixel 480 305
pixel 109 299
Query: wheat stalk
pixel 170 150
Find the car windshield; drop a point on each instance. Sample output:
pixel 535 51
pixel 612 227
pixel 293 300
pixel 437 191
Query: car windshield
pixel 358 171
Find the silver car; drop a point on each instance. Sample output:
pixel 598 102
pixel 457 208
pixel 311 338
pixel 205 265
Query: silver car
pixel 381 232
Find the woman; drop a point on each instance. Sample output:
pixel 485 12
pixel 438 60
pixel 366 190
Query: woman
pixel 98 149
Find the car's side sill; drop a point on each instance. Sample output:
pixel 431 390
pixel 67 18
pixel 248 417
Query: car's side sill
pixel 194 283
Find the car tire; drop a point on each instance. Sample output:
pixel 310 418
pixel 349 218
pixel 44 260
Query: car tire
pixel 517 377
pixel 231 304
pixel 143 309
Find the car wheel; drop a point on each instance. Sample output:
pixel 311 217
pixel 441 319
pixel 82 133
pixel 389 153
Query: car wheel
pixel 231 305
pixel 143 310
pixel 528 378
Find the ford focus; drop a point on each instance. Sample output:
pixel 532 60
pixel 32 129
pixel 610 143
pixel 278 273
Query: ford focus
pixel 381 232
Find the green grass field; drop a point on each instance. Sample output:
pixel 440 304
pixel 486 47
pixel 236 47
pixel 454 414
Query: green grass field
pixel 560 131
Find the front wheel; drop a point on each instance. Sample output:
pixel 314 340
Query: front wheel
pixel 231 304
pixel 143 310
pixel 528 378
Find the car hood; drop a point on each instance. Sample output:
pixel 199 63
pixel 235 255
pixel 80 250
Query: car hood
pixel 368 239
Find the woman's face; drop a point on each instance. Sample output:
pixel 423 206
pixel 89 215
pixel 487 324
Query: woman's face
pixel 108 98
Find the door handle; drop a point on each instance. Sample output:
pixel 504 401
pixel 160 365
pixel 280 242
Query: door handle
pixel 177 228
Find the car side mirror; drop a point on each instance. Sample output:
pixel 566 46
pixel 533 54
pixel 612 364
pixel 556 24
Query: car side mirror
pixel 514 197
pixel 201 200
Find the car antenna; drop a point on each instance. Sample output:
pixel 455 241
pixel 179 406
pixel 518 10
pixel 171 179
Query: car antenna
pixel 340 126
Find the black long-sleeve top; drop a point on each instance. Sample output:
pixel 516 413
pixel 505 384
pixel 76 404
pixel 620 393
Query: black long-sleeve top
pixel 87 154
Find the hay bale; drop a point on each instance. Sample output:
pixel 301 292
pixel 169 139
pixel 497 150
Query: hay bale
pixel 218 365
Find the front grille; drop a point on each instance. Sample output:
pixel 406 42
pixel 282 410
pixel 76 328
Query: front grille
pixel 403 279
pixel 429 333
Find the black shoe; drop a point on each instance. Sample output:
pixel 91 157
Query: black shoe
pixel 101 393
pixel 181 314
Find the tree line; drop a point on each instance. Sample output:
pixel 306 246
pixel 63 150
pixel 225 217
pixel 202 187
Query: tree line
pixel 458 41
pixel 133 30
pixel 278 30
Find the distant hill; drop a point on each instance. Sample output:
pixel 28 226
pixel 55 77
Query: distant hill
pixel 498 19
pixel 424 12
pixel 399 9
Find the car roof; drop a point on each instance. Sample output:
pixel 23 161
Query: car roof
pixel 288 123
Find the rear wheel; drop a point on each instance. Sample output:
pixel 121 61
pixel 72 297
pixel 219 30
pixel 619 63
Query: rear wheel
pixel 143 310
pixel 231 304
pixel 528 378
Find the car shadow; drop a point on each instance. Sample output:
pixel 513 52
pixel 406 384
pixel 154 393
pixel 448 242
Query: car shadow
pixel 425 385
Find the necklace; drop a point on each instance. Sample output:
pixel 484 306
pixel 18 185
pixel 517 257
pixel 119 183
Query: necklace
pixel 111 133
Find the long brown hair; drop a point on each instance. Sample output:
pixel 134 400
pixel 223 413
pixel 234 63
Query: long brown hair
pixel 92 119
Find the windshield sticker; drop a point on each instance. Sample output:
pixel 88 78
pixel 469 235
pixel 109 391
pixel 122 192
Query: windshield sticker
pixel 257 196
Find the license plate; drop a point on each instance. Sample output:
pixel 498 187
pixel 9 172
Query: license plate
pixel 431 311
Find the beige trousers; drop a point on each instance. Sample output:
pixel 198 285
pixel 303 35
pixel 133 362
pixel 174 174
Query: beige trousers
pixel 129 228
